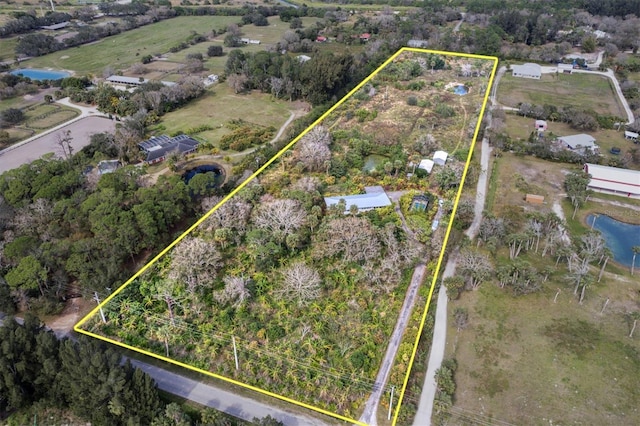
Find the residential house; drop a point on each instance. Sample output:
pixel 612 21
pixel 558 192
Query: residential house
pixel 134 81
pixel 527 70
pixel 581 143
pixel 565 68
pixel 158 148
pixel 418 43
pixel 614 180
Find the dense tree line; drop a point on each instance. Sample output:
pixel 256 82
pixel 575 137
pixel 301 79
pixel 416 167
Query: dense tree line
pixel 67 228
pixel 84 376
pixel 24 22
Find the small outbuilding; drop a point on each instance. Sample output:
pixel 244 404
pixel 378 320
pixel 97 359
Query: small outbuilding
pixel 565 68
pixel 440 158
pixel 534 199
pixel 426 165
pixel 541 125
pixel 631 136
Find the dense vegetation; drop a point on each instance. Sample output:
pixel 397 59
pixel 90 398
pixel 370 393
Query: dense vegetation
pixel 65 231
pixel 267 268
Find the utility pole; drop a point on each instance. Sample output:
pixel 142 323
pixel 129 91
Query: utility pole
pixel 97 299
pixel 235 351
pixel 390 402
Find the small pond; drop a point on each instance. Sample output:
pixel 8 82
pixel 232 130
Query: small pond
pixel 461 90
pixel 373 162
pixel 36 74
pixel 206 168
pixel 618 236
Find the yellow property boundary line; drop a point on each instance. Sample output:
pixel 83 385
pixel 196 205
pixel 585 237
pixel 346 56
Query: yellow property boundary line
pixel 78 326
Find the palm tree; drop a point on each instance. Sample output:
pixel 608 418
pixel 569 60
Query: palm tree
pixel 635 250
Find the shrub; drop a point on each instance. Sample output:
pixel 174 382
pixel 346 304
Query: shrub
pixel 214 51
pixel 412 100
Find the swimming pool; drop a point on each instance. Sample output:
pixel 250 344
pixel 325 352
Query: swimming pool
pixel 36 74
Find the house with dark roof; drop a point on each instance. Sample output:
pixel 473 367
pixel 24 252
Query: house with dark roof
pixel 158 148
pixel 373 198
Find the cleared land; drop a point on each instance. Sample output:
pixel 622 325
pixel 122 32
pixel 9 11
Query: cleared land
pixel 81 130
pixel 125 49
pixel 322 347
pixel 584 91
pixel 528 360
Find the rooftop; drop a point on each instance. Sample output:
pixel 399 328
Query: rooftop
pixel 614 179
pixel 581 140
pixel 364 202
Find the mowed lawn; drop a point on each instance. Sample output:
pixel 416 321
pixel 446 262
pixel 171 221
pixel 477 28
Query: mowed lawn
pixel 587 91
pixel 219 105
pixel 124 49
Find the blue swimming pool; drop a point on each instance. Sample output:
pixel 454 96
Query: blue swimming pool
pixel 36 74
pixel 618 236
pixel 461 90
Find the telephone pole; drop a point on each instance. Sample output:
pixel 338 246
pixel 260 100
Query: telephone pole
pixel 97 299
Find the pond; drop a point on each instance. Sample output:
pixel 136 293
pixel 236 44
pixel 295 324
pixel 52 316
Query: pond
pixel 216 169
pixel 461 90
pixel 618 236
pixel 373 162
pixel 36 74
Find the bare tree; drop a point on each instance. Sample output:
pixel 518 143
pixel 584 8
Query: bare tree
pixel 475 266
pixel 281 217
pixel 233 214
pixel 195 262
pixel 170 292
pixel 300 283
pixel 235 290
pixel 354 238
pixel 63 140
pixel 237 82
pixel 307 184
pixel 313 149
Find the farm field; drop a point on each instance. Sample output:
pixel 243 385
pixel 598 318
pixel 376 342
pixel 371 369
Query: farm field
pixel 307 295
pixel 122 50
pixel 584 91
pixel 529 359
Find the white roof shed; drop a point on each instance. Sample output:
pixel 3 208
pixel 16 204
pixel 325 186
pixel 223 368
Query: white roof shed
pixel 440 158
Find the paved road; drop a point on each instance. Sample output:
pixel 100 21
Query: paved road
pixel 228 402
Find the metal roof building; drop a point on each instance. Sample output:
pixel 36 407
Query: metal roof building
pixel 364 202
pixel 581 141
pixel 426 165
pixel 527 71
pixel 614 180
pixel 440 158
pixel 133 81
pixel 158 147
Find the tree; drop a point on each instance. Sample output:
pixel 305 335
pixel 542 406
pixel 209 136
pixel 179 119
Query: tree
pixel 352 238
pixel 11 117
pixel 28 275
pixel 214 51
pixel 635 250
pixel 576 186
pixel 195 262
pixel 455 285
pixel 475 266
pixel 237 82
pixel 300 283
pixel 281 217
pixel 236 290
pixel 313 149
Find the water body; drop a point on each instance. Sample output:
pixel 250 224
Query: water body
pixel 374 162
pixel 206 168
pixel 461 90
pixel 36 74
pixel 618 236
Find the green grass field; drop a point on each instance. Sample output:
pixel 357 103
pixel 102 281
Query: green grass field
pixel 219 105
pixel 587 91
pixel 124 49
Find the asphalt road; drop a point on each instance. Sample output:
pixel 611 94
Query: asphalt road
pixel 222 400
